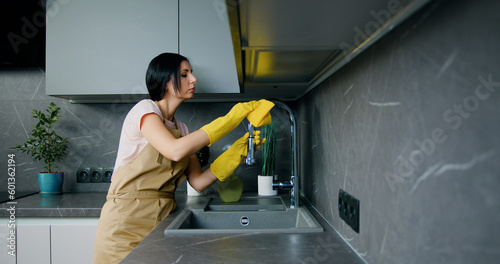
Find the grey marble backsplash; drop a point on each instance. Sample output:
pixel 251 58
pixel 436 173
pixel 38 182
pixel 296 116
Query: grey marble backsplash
pixel 411 127
pixel 94 130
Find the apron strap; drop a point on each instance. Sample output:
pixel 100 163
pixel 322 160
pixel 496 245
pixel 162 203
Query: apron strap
pixel 142 194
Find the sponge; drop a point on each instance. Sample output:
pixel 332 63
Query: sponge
pixel 261 116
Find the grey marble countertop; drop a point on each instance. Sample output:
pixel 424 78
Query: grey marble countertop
pixel 324 247
pixel 78 204
pixel 251 248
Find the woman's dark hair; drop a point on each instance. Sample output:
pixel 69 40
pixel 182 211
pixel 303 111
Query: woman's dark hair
pixel 161 70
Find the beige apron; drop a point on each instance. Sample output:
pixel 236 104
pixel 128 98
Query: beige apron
pixel 141 195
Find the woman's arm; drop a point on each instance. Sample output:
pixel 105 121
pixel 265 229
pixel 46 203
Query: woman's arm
pixel 198 179
pixel 174 149
pixel 170 147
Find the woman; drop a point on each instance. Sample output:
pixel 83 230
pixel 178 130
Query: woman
pixel 156 152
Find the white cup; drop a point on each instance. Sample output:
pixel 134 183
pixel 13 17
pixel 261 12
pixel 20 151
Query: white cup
pixel 265 185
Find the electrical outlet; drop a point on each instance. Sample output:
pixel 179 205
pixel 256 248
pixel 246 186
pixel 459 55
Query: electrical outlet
pixel 96 175
pixel 108 172
pixel 83 175
pixel 349 209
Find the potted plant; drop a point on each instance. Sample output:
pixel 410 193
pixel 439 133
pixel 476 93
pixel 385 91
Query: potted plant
pixel 45 145
pixel 265 180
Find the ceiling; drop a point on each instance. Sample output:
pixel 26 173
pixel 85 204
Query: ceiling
pixel 286 47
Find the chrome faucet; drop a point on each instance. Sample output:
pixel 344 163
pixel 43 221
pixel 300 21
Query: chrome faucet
pixel 250 160
pixel 293 183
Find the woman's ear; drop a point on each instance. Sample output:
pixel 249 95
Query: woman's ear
pixel 169 86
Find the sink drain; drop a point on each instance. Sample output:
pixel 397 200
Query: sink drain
pixel 244 221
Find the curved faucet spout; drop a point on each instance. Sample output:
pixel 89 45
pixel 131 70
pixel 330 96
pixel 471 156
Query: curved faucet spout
pixel 293 184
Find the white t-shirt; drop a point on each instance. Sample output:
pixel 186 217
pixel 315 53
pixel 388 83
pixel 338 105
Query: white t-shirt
pixel 131 139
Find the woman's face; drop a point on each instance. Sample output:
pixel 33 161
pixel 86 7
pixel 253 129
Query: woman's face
pixel 187 82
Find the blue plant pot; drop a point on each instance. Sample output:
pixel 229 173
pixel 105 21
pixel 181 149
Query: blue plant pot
pixel 50 183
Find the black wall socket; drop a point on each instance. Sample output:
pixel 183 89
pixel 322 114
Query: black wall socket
pixel 96 175
pixel 108 172
pixel 83 175
pixel 349 209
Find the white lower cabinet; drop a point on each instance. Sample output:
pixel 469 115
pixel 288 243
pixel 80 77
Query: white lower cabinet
pixel 72 243
pixel 7 256
pixel 33 243
pixel 50 240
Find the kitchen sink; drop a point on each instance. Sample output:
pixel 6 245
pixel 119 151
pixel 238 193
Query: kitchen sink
pixel 239 218
pixel 248 203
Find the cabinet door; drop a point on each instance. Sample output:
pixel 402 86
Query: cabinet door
pixel 205 39
pixel 96 47
pixel 5 235
pixel 33 243
pixel 72 243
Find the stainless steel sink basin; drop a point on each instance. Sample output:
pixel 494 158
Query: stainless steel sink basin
pixel 226 220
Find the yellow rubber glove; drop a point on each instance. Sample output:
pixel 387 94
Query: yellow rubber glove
pixel 231 159
pixel 221 126
pixel 260 116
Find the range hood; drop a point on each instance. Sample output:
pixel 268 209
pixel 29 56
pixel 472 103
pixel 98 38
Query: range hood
pixel 289 46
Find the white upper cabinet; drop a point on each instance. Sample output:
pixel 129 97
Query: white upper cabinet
pixel 205 39
pixel 98 51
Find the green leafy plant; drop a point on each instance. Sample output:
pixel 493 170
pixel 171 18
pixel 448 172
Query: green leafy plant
pixel 43 143
pixel 269 149
pixel 203 155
